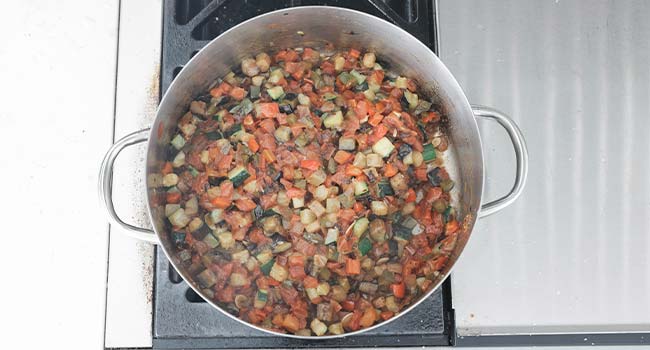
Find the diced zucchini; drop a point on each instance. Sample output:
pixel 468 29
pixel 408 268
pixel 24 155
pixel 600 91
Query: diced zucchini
pixel 238 279
pixel 339 62
pixel 411 98
pixel 179 219
pixel 317 178
pixel 192 206
pixel 329 96
pixel 360 189
pixel 320 193
pixel 333 120
pixel 254 92
pixel 358 76
pixel 298 202
pixel 332 205
pixel 251 187
pixel 417 158
pixel 336 328
pixel 171 208
pixel 364 246
pixel 332 236
pixel 206 278
pixel 275 92
pixel 178 237
pixel 383 147
pixel 257 80
pixel 170 179
pixel 276 76
pixel 226 240
pixel 267 266
pixel 303 100
pixel 178 142
pixel 241 256
pixel 179 160
pixel 211 241
pixel 307 216
pixel 360 226
pixel 312 294
pixel 243 108
pixel 374 160
pixel 279 272
pixel 369 60
pixel 401 82
pixel 323 288
pixel 264 257
pixel 313 227
pixel 260 299
pixel 233 130
pixel 347 143
pixel 384 188
pixel 238 175
pixel 379 208
pixel 282 133
pixel 359 160
pixel 317 208
pixel 216 216
pixel 369 94
pixel 429 153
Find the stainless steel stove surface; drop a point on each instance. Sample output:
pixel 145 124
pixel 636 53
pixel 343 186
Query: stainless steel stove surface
pixel 181 318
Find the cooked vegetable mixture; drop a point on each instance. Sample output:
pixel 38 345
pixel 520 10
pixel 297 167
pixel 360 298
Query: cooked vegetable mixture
pixel 306 192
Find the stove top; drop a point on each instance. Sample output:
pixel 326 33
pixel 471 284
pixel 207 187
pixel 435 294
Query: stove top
pixel 181 318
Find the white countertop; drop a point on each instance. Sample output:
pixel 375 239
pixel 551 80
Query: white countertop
pixel 60 69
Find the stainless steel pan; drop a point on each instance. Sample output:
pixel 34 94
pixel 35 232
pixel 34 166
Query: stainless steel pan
pixel 316 26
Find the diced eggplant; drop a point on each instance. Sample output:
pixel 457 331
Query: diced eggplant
pixel 206 278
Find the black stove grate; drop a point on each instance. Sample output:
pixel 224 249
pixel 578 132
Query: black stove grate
pixel 181 318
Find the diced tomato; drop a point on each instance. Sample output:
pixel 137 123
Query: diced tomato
pixel 352 170
pixel 304 247
pixel 429 117
pixel 352 266
pixel 342 157
pixel 223 88
pixel 310 164
pixel 167 168
pixel 328 67
pixel 377 133
pixel 221 202
pixel 451 226
pixel 297 273
pixel 238 93
pixel 386 315
pixel 296 260
pixel 268 109
pixel 245 204
pixel 296 192
pixel 421 173
pixel 410 196
pixel 267 125
pixel 361 110
pixel 248 122
pixel 310 282
pixel 354 53
pixel 358 207
pixel 347 305
pixel 398 289
pixel 173 197
pixel 375 119
pixel 390 170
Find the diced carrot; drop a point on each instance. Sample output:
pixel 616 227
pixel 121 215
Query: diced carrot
pixel 352 266
pixel 342 157
pixel 292 67
pixel 430 117
pixel 310 282
pixel 421 173
pixel 398 289
pixel 410 196
pixel 296 192
pixel 278 320
pixel 253 145
pixel 238 93
pixel 297 272
pixel 354 53
pixel 386 315
pixel 352 170
pixel 268 155
pixel 268 109
pixel 173 197
pixel 221 202
pixel 375 119
pixel 167 168
pixel 361 109
pixel 310 164
pixel 433 193
pixel 245 204
pixel 390 170
pixel 377 133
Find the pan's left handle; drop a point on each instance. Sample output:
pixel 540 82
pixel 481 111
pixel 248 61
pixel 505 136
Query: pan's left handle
pixel 521 156
pixel 106 185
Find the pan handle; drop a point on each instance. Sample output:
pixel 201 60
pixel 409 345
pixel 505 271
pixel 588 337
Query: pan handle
pixel 106 185
pixel 521 155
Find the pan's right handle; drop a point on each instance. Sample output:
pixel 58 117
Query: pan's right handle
pixel 106 185
pixel 521 156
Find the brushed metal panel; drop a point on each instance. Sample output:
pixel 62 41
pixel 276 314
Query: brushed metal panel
pixel 572 254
